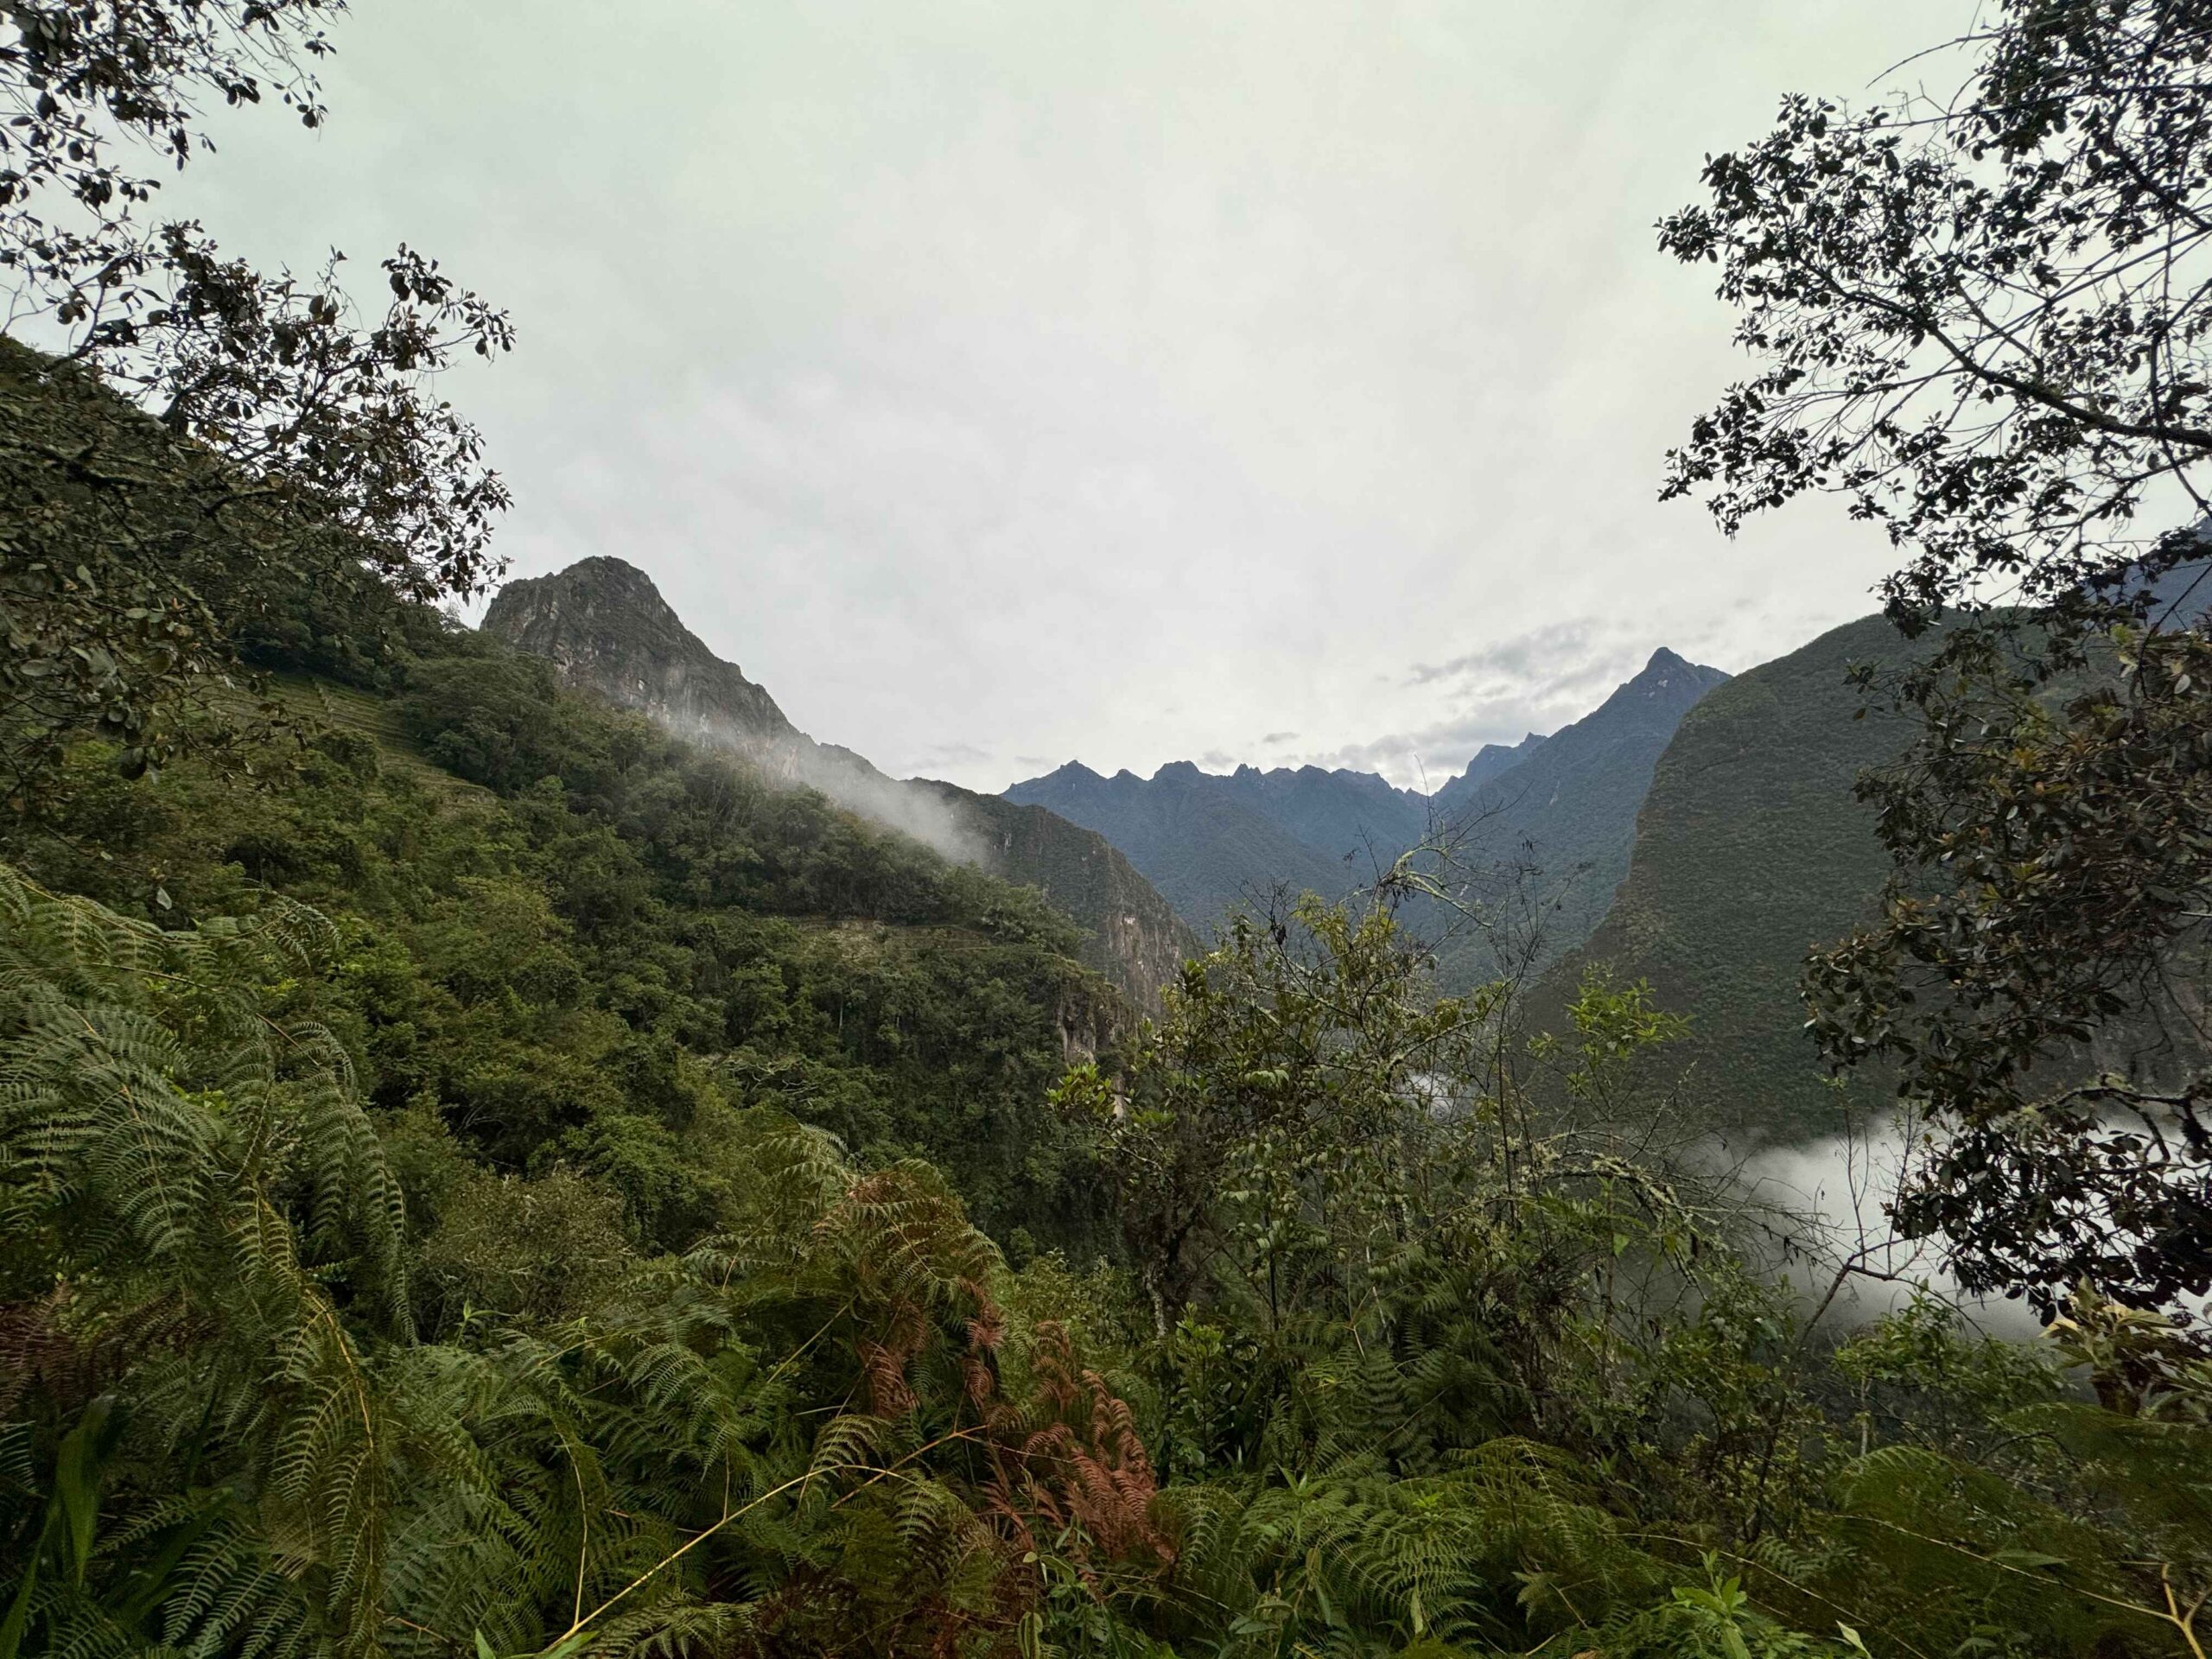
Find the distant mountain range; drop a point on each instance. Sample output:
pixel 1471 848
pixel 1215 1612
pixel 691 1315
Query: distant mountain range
pixel 1695 831
pixel 607 629
pixel 1213 842
pixel 1559 810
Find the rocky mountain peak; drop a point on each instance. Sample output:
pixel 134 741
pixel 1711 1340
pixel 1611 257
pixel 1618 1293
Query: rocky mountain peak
pixel 1670 674
pixel 607 632
pixel 605 625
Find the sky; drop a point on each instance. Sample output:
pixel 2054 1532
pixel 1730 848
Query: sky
pixel 1006 381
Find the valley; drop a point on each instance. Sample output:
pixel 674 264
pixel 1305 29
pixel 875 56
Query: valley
pixel 512 1148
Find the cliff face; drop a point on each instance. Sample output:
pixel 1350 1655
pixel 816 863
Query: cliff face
pixel 1086 877
pixel 606 627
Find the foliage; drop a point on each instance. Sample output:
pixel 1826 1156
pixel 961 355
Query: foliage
pixel 507 1186
pixel 591 975
pixel 1983 321
pixel 220 1428
pixel 292 435
pixel 193 1198
pixel 1445 1373
pixel 2066 925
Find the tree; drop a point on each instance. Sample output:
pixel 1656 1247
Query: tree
pixel 1982 319
pixel 302 436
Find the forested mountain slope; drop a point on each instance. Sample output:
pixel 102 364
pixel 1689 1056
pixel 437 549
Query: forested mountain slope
pixel 422 1241
pixel 1749 850
pixel 608 633
pixel 567 940
pixel 562 937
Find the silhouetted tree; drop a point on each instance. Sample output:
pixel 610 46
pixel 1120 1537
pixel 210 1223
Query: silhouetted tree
pixel 306 432
pixel 1982 319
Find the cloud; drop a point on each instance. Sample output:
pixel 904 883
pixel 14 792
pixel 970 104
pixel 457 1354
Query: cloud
pixel 1840 1189
pixel 953 414
pixel 1440 750
pixel 1273 738
pixel 1537 681
pixel 952 754
pixel 1527 654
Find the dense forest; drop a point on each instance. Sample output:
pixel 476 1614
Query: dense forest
pixel 481 1176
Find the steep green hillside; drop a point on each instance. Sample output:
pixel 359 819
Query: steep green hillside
pixel 1131 933
pixel 1749 850
pixel 563 931
pixel 441 1271
pixel 609 634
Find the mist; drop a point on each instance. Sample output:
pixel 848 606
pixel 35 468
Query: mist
pixel 911 807
pixel 1837 1245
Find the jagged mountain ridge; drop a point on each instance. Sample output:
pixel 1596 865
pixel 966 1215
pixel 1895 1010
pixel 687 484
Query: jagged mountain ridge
pixel 1207 850
pixel 1346 814
pixel 1561 821
pixel 607 631
pixel 1565 804
pixel 1489 761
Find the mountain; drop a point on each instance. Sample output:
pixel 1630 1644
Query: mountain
pixel 1205 844
pixel 1562 808
pixel 1749 850
pixel 606 630
pixel 1489 761
pixel 1343 813
pixel 604 625
pixel 1560 824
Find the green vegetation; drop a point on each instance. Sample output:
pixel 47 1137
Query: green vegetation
pixel 1750 851
pixel 288 1373
pixel 565 964
pixel 1981 318
pixel 480 1177
pixel 611 635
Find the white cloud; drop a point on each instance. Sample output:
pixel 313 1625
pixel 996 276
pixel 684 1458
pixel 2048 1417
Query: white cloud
pixel 1122 382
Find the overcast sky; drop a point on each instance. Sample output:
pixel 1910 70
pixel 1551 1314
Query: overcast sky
pixel 1002 383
